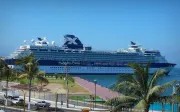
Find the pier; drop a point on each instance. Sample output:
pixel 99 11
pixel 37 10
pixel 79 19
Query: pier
pixel 101 91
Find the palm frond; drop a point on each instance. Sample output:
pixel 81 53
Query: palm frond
pixel 19 70
pixel 121 99
pixel 141 105
pixel 167 85
pixel 158 74
pixel 125 77
pixel 22 76
pixel 126 85
pixel 2 63
pixel 29 65
pixel 127 88
pixel 41 73
pixel 156 90
pixel 119 107
pixel 178 89
pixel 159 89
pixel 166 99
pixel 140 75
pixel 146 77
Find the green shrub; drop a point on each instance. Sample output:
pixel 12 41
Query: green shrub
pixel 23 81
pixel 56 76
pixel 70 78
pixel 21 103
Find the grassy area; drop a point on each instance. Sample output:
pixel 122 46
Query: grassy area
pixel 26 81
pixel 82 98
pixel 57 81
pixel 73 87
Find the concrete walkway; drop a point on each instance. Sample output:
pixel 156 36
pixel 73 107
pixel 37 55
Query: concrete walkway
pixel 101 91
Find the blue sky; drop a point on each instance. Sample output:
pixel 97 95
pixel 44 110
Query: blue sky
pixel 103 24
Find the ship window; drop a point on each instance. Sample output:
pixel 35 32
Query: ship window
pixel 43 50
pixel 54 50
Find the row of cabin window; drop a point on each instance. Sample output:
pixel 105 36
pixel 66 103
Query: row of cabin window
pixel 94 69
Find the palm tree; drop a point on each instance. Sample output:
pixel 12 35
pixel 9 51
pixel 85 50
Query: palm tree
pixel 178 89
pixel 16 72
pixel 6 74
pixel 140 89
pixel 1 70
pixel 42 80
pixel 30 70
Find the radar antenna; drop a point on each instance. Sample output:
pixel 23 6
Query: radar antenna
pixel 25 41
pixel 53 43
pixel 44 38
pixel 32 40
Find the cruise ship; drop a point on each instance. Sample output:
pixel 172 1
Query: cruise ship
pixel 74 58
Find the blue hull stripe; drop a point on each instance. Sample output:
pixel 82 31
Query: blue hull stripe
pixel 57 63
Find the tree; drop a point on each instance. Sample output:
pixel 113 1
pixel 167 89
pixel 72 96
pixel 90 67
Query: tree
pixel 29 67
pixel 178 90
pixel 6 74
pixel 140 88
pixel 42 80
pixel 2 63
pixel 56 76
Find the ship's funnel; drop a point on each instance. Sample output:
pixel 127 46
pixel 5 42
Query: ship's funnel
pixel 133 43
pixel 72 42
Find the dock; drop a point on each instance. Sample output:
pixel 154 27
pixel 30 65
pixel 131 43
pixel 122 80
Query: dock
pixel 102 92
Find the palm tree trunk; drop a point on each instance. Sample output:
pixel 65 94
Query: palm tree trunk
pixel 147 108
pixel 162 107
pixel 29 103
pixel 24 93
pixel 0 80
pixel 7 84
pixel 41 87
pixel 67 93
pixel 172 107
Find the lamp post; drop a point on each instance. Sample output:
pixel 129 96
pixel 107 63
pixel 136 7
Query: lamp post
pixel 29 65
pixel 67 88
pixel 1 78
pixel 152 105
pixel 177 86
pixel 56 99
pixel 175 93
pixel 95 81
pixel 178 93
pixel 24 94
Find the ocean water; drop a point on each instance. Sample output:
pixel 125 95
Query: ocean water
pixel 108 80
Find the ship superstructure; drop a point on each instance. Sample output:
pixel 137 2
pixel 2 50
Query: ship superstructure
pixel 74 58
